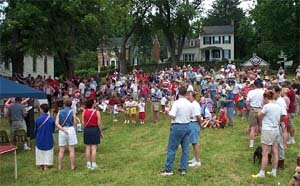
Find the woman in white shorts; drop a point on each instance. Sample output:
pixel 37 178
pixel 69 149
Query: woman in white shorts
pixel 271 116
pixel 66 123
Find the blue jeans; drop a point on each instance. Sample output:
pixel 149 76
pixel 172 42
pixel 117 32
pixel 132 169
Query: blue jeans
pixel 179 134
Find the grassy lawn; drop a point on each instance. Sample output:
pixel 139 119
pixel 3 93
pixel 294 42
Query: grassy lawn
pixel 134 155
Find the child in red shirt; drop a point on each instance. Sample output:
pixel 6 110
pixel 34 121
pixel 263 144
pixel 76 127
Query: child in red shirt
pixel 221 122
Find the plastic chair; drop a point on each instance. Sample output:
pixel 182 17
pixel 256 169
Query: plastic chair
pixel 4 137
pixel 20 136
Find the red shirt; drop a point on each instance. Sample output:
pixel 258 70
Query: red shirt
pixel 291 94
pixel 94 119
pixel 223 119
pixel 93 94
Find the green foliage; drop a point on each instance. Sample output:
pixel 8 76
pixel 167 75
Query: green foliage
pixel 223 12
pixel 87 60
pixel 277 24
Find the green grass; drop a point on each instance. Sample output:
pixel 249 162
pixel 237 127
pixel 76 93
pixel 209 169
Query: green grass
pixel 134 155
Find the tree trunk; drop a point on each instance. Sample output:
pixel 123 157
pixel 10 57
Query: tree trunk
pixel 122 57
pixel 18 55
pixel 17 63
pixel 67 64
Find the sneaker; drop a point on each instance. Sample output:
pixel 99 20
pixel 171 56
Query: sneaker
pixel 257 176
pixel 293 141
pixel 94 166
pixel 270 173
pixel 165 173
pixel 26 147
pixel 183 173
pixel 195 164
pixel 88 165
pixel 192 160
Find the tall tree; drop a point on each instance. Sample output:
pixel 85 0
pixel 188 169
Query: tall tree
pixel 277 23
pixel 174 18
pixel 227 12
pixel 20 30
pixel 56 26
pixel 128 15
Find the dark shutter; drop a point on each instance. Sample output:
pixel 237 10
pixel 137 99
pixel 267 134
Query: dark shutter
pixel 229 39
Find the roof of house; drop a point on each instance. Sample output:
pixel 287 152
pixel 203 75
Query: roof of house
pixel 114 42
pixel 212 30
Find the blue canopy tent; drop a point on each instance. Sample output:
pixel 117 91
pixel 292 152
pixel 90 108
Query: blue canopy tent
pixel 10 89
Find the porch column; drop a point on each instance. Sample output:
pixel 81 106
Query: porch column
pixel 210 55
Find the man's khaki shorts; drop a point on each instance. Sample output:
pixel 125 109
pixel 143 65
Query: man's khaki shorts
pixel 253 117
pixel 155 106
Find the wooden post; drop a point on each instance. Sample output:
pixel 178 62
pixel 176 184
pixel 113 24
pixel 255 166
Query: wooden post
pixel 16 166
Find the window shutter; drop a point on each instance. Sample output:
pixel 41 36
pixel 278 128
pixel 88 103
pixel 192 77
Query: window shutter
pixel 229 39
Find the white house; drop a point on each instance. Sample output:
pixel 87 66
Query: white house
pixel 39 65
pixel 191 51
pixel 217 43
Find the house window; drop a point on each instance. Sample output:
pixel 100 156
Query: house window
pixel 216 54
pixel 216 39
pixel 227 54
pixel 45 65
pixel 6 65
pixel 207 40
pixel 34 64
pixel 188 57
pixel 192 43
pixel 226 39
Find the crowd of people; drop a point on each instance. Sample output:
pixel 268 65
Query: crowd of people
pixel 192 96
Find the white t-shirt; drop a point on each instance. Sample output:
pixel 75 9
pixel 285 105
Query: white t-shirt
pixel 134 87
pixel 81 87
pixel 163 100
pixel 116 111
pixel 280 101
pixel 182 111
pixel 190 88
pixel 196 110
pixel 141 107
pixel 198 77
pixel 131 103
pixel 255 97
pixel 272 113
pixel 281 78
